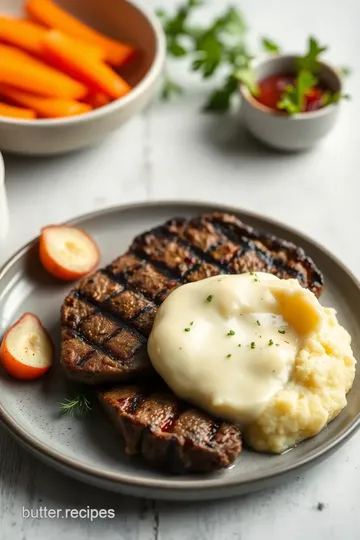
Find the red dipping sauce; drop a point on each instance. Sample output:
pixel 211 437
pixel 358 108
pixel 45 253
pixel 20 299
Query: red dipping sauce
pixel 271 89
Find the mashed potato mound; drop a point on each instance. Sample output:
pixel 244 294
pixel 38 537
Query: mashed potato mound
pixel 323 373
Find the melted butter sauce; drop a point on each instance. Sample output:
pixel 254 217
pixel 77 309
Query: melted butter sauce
pixel 225 343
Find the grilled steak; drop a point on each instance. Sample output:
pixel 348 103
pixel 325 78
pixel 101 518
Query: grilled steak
pixel 169 433
pixel 107 318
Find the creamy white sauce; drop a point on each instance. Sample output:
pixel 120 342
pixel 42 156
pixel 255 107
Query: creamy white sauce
pixel 228 343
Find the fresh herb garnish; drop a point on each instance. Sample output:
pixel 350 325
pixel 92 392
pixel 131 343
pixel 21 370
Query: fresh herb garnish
pixel 293 99
pixel 308 67
pixel 281 331
pixel 218 47
pixel 270 342
pixel 170 88
pixel 231 333
pixel 269 46
pixel 258 322
pixel 277 344
pixel 222 47
pixel 228 356
pixel 310 61
pixel 332 97
pixel 210 298
pixel 239 345
pixel 345 71
pixel 191 323
pixel 252 345
pixel 187 329
pixel 251 273
pixel 78 406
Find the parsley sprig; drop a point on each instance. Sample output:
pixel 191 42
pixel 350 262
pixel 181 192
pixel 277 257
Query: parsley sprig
pixel 308 67
pixel 220 46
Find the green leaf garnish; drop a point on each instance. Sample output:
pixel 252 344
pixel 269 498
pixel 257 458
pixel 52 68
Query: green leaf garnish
pixel 270 342
pixel 345 71
pixel 293 99
pixel 231 333
pixel 220 45
pixel 329 98
pixel 228 356
pixel 247 77
pixel 252 345
pixel 210 298
pixel 170 89
pixel 270 46
pixel 78 406
pixel 310 62
pixel 176 49
pixel 187 329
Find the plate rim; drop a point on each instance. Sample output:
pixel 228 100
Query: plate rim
pixel 172 484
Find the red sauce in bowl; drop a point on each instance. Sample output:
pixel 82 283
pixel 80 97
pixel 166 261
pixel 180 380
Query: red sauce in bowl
pixel 271 89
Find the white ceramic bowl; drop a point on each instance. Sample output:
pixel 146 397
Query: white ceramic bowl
pixel 279 130
pixel 119 19
pixel 4 215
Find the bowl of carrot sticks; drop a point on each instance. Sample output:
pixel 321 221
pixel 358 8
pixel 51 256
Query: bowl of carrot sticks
pixel 73 72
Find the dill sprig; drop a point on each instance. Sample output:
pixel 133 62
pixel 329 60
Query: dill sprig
pixel 80 405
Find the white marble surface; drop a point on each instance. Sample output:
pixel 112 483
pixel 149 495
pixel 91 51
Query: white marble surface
pixel 171 152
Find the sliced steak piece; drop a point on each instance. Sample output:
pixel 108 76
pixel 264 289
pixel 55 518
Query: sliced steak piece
pixel 107 318
pixel 169 433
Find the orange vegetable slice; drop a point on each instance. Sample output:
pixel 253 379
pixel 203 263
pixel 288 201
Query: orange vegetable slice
pixel 16 112
pixel 96 75
pixel 53 16
pixel 29 36
pixel 21 70
pixel 44 107
pixel 26 351
pixel 68 253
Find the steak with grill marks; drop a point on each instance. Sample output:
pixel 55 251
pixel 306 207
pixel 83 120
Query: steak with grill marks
pixel 169 433
pixel 107 318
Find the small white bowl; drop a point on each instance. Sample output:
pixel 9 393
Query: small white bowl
pixel 119 19
pixel 4 214
pixel 278 129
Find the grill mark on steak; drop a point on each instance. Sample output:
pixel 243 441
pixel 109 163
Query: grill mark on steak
pixel 85 358
pixel 102 308
pixel 125 295
pixel 135 403
pixel 99 348
pixel 212 434
pixel 184 444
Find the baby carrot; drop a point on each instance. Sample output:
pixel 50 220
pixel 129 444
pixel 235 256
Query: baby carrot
pixel 97 75
pixel 23 71
pixel 16 112
pixel 48 13
pixel 24 34
pixel 29 36
pixel 43 106
pixel 97 100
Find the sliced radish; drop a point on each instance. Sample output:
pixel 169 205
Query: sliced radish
pixel 27 351
pixel 68 253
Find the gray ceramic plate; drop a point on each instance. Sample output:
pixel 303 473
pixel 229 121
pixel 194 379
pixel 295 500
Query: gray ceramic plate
pixel 91 450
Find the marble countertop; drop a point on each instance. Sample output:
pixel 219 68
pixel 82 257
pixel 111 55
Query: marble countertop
pixel 173 151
